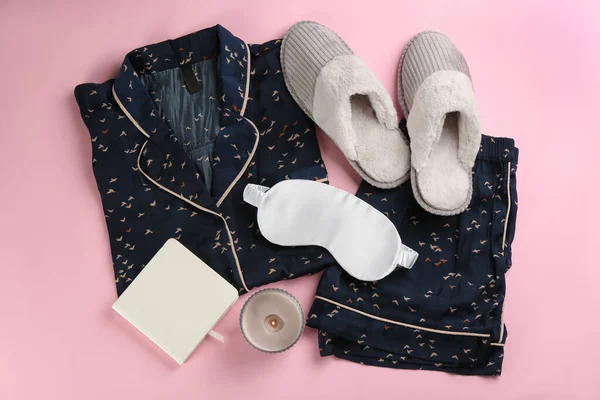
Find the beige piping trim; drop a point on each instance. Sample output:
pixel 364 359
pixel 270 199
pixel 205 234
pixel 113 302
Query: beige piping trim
pixel 484 335
pixel 503 246
pixel 133 121
pixel 508 210
pixel 231 244
pixel 243 110
pixel 501 326
pixel 326 179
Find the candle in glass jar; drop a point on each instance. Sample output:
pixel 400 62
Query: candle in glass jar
pixel 272 320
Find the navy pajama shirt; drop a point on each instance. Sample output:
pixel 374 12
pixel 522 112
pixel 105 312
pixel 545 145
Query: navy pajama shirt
pixel 171 161
pixel 188 122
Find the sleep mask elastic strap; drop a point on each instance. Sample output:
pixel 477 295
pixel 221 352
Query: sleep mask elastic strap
pixel 407 257
pixel 254 194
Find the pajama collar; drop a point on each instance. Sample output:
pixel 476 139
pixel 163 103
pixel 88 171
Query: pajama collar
pixel 233 71
pixel 139 105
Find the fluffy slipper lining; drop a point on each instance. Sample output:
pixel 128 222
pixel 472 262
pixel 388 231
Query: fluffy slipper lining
pixel 354 109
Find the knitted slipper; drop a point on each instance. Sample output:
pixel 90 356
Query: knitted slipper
pixel 338 91
pixel 436 95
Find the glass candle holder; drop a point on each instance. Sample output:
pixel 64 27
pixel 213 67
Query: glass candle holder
pixel 272 320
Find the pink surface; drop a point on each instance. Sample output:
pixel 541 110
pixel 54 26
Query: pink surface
pixel 535 66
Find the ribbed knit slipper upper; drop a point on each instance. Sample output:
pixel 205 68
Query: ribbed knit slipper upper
pixel 306 48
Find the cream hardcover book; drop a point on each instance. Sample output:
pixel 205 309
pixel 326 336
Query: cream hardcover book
pixel 176 300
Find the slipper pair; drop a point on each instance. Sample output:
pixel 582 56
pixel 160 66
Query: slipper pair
pixel 342 95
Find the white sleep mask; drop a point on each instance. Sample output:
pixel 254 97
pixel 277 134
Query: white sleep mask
pixel 301 213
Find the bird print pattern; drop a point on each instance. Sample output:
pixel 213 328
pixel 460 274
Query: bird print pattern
pixel 446 312
pixel 151 182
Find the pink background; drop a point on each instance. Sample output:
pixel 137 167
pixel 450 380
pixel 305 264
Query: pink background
pixel 535 66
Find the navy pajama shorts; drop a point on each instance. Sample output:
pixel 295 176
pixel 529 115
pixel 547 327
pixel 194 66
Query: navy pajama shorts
pixel 446 313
